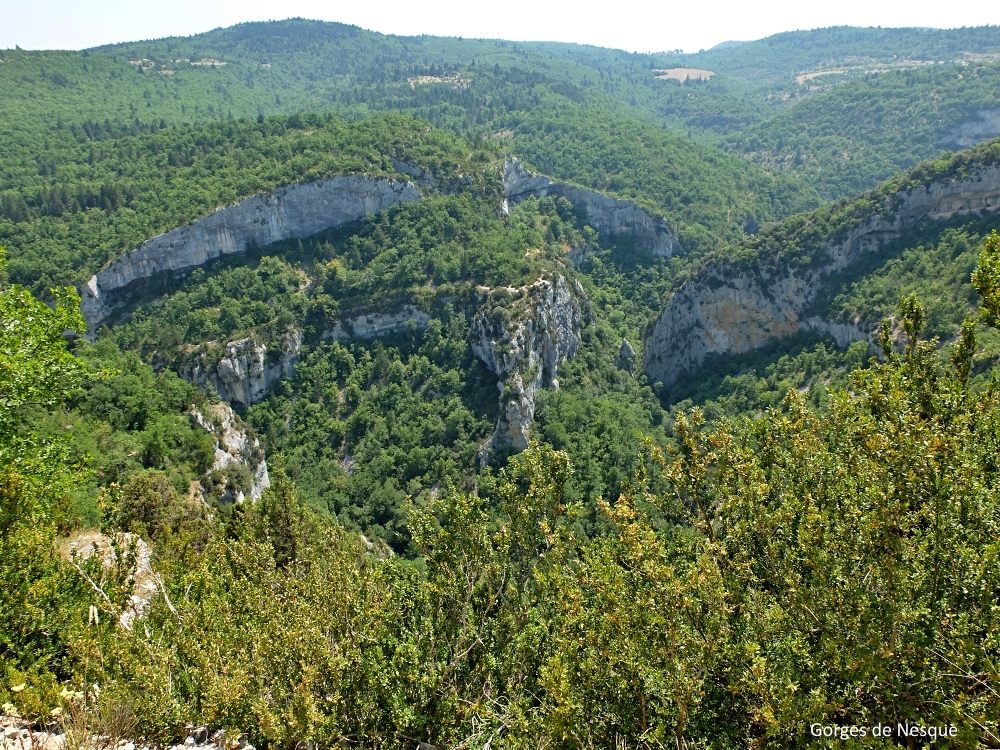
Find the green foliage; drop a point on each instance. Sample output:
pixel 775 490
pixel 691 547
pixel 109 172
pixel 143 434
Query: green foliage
pixel 828 556
pixel 986 279
pixel 152 192
pixel 35 367
pixel 148 505
pixel 850 135
pixel 697 188
pixel 836 570
pixel 365 430
pixel 37 597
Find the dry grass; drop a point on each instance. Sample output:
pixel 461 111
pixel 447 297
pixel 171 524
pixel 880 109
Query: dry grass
pixel 100 727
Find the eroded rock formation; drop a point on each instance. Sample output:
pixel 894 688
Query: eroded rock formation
pixel 613 218
pixel 730 308
pixel 294 211
pixel 235 446
pixel 246 370
pixel 985 125
pixel 375 324
pixel 522 334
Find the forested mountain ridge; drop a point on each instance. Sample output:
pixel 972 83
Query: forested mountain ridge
pixel 778 58
pixel 938 81
pixel 742 303
pixel 109 195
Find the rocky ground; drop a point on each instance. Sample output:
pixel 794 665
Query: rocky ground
pixel 65 734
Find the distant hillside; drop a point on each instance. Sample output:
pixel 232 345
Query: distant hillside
pixel 803 103
pixel 776 60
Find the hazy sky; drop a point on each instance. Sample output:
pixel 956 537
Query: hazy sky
pixel 625 24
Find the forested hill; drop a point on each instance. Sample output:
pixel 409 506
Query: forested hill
pixel 79 202
pixel 757 99
pixel 778 58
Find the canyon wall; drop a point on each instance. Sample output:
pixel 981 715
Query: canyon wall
pixel 613 218
pixel 729 308
pixel 291 212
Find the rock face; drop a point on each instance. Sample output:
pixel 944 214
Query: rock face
pixel 728 309
pixel 247 370
pixel 373 325
pixel 234 445
pixel 291 212
pixel 984 126
pixel 522 335
pixel 113 551
pixel 615 219
pixel 626 357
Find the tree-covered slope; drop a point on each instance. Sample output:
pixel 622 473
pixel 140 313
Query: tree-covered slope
pixel 848 136
pixel 753 106
pixel 82 203
pixel 485 524
pixel 744 326
pixel 758 580
pixel 775 60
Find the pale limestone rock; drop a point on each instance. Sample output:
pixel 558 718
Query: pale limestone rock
pixel 729 310
pixel 234 444
pixel 612 218
pixel 626 357
pixel 294 211
pixel 522 335
pixel 247 370
pixel 375 324
pixel 982 127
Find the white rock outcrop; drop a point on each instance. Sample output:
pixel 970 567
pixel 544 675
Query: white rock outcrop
pixel 522 334
pixel 291 212
pixel 375 324
pixel 234 444
pixel 612 218
pixel 247 369
pixel 985 125
pixel 730 309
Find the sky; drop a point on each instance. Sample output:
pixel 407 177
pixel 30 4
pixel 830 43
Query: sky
pixel 634 25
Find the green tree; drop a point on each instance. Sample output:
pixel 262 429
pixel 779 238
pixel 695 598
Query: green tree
pixel 37 597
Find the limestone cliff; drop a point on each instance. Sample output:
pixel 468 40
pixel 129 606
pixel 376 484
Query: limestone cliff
pixel 985 124
pixel 375 324
pixel 291 212
pixel 247 369
pixel 522 334
pixel 613 218
pixel 729 308
pixel 235 446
